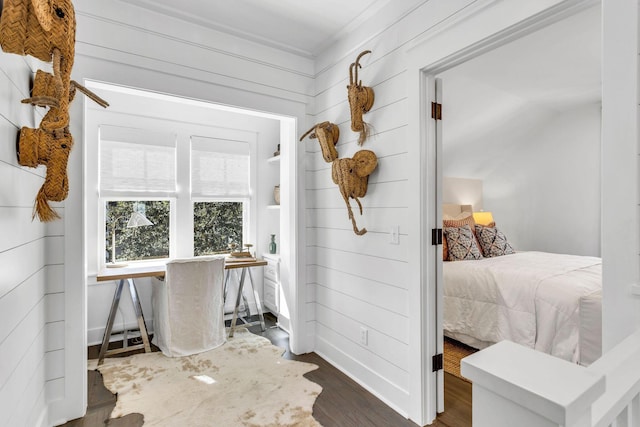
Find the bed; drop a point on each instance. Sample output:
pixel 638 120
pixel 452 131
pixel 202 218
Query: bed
pixel 545 301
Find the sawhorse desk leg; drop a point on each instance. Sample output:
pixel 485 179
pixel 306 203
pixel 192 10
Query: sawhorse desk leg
pixel 239 296
pixel 104 351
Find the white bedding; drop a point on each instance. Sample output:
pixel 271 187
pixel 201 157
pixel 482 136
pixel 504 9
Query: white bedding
pixel 531 298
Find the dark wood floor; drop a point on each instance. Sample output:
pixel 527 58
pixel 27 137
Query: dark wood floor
pixel 343 402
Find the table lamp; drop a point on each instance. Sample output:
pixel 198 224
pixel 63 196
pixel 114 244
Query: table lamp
pixel 136 219
pixel 483 218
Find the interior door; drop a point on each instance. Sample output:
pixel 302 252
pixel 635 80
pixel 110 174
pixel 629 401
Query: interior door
pixel 436 116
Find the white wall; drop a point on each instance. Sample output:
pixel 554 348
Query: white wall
pixel 353 281
pixel 542 183
pixel 524 118
pixel 122 44
pixel 31 261
pixel 462 191
pixel 366 282
pixel 546 195
pixel 620 138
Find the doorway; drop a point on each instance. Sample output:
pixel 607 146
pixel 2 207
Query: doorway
pixel 532 172
pixel 195 127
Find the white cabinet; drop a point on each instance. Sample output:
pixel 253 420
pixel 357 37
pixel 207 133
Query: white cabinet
pixel 271 289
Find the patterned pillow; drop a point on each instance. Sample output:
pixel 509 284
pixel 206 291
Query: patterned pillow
pixel 445 248
pixel 462 243
pixel 465 218
pixel 493 242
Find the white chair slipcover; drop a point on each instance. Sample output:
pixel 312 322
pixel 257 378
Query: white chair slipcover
pixel 188 306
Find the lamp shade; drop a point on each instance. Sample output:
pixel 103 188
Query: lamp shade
pixel 138 220
pixel 483 218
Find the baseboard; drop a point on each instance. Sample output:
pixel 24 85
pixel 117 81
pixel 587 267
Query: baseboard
pixel 349 366
pixel 94 335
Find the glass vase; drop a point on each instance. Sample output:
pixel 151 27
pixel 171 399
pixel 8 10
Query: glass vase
pixel 272 245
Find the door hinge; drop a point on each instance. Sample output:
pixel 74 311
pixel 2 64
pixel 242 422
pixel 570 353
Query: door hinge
pixel 436 236
pixel 437 362
pixel 436 111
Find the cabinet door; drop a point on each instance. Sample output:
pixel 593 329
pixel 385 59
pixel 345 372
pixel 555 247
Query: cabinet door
pixel 271 295
pixel 271 271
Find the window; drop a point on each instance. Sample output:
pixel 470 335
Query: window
pixel 220 187
pixel 195 206
pixel 129 241
pixel 215 225
pixel 136 167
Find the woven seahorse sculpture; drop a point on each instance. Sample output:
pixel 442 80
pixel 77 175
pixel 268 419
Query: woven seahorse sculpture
pixel 45 29
pixel 351 175
pixel 360 100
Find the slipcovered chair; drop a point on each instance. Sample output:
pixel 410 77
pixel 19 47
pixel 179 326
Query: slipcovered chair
pixel 188 306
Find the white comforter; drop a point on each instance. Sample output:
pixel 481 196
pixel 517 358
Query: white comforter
pixel 531 298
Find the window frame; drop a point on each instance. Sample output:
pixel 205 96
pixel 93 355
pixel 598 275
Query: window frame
pixel 102 234
pixel 181 239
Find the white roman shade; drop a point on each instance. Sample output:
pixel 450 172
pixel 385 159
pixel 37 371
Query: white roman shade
pixel 219 168
pixel 136 161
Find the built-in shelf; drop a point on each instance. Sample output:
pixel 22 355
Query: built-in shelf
pixel 273 206
pixel 273 159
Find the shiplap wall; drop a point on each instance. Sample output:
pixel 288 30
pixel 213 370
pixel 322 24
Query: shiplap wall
pixel 31 283
pixel 352 281
pixel 367 282
pixel 125 45
pixel 363 282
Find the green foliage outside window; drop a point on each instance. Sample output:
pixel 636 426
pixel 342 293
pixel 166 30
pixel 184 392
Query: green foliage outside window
pixel 139 243
pixel 215 225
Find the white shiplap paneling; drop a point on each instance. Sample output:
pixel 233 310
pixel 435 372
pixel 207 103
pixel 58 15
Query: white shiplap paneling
pixel 121 44
pixel 23 258
pixel 363 279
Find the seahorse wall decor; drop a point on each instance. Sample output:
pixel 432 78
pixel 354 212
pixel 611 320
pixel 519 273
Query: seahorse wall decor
pixel 46 29
pixel 351 175
pixel 360 99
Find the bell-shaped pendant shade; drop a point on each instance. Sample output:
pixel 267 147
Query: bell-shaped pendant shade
pixel 138 220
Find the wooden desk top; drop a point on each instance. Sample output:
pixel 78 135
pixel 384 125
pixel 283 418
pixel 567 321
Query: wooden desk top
pixel 132 272
pixel 242 264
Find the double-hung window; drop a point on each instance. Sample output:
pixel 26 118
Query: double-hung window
pixel 220 193
pixel 137 185
pixel 171 194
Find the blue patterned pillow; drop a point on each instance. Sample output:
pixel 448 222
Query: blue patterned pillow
pixel 493 242
pixel 461 243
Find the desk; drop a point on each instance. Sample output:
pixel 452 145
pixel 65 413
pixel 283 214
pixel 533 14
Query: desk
pixel 129 273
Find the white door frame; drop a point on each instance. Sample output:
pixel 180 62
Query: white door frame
pixel 425 388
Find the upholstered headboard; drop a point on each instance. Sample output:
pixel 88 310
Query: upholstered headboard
pixel 462 191
pixel 454 210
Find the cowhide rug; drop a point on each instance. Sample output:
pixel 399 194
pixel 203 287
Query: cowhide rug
pixel 244 382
